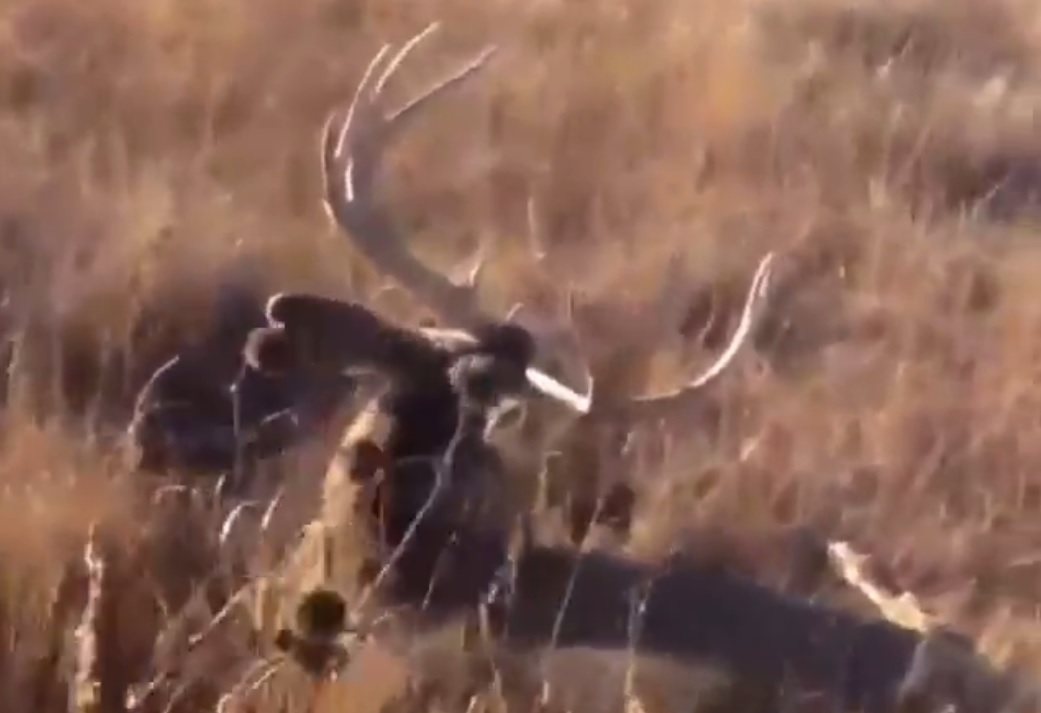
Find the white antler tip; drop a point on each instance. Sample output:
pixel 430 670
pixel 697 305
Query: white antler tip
pixel 547 385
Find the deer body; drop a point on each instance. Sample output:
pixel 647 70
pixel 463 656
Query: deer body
pixel 404 534
pixel 543 597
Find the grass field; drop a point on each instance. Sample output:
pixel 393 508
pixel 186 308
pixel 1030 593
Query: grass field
pixel 890 151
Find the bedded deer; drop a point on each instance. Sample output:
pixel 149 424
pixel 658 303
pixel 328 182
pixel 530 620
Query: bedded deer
pixel 425 534
pixel 413 519
pixel 414 522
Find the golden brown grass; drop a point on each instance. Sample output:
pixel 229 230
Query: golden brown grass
pixel 889 149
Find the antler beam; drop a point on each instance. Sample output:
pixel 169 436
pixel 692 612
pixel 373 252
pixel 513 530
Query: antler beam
pixel 354 142
pixel 656 405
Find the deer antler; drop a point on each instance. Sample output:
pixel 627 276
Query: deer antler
pixel 650 406
pixel 353 144
pixel 656 405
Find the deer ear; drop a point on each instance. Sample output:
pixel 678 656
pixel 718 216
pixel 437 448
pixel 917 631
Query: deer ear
pixel 269 351
pixel 299 311
pixel 326 332
pixel 287 307
pixel 339 334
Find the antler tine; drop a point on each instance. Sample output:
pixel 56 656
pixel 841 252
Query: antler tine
pixel 410 109
pixel 404 52
pixel 652 406
pixel 353 143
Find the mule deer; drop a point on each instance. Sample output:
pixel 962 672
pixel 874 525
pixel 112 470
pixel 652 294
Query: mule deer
pixel 410 533
pixel 407 492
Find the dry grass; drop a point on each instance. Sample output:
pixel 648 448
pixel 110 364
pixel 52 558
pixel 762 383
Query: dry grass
pixel 889 149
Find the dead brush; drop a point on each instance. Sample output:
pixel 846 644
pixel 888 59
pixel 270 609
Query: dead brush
pixel 166 615
pixel 86 688
pixel 153 599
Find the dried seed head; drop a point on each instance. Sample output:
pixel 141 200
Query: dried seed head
pixel 321 615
